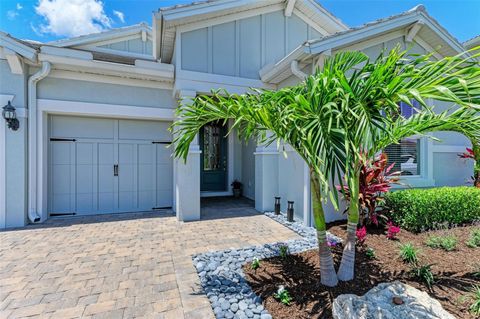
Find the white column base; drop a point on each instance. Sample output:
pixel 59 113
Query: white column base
pixel 187 186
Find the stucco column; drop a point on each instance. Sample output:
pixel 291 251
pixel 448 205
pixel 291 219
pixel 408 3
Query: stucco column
pixel 266 177
pixel 187 176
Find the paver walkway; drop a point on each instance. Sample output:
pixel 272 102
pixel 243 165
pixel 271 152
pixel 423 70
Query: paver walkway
pixel 120 266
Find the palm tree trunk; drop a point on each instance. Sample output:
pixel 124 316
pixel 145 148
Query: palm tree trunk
pixel 476 169
pixel 328 275
pixel 346 271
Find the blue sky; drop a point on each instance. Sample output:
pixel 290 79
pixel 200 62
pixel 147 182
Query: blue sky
pixel 46 20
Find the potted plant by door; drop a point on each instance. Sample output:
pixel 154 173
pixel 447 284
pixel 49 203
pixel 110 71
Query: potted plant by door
pixel 237 188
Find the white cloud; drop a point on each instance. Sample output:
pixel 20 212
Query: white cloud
pixel 12 14
pixel 120 15
pixel 72 17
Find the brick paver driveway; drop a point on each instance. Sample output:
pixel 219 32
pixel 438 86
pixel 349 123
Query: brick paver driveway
pixel 129 265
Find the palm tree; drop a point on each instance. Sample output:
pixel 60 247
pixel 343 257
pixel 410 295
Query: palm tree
pixel 335 116
pixel 372 119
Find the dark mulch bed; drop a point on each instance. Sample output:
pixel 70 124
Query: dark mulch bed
pixel 455 273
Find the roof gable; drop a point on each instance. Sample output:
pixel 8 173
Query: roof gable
pixel 167 21
pixel 415 23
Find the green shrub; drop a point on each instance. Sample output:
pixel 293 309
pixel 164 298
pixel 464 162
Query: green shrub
pixel 474 240
pixel 422 209
pixel 409 253
pixel 255 263
pixel 448 242
pixel 370 253
pixel 424 274
pixel 475 306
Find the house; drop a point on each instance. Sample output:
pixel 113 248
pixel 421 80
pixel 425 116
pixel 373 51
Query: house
pixel 94 111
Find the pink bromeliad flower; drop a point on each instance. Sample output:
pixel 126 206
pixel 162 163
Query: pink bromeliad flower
pixel 392 231
pixel 361 234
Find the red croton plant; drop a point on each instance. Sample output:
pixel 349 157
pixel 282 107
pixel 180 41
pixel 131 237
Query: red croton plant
pixel 470 154
pixel 376 178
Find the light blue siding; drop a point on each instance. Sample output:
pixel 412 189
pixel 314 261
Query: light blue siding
pixel 251 47
pixel 224 48
pixel 195 50
pixel 83 91
pixel 133 46
pixel 13 84
pixel 241 48
pixel 16 150
pixel 274 37
pixel 297 32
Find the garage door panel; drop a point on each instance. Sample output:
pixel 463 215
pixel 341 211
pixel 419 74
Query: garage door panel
pixel 164 199
pixel 144 130
pixel 84 180
pixel 84 203
pixel 106 155
pixel 62 203
pixel 81 127
pixel 61 153
pixel 106 202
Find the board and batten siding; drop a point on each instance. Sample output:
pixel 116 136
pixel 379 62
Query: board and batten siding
pixel 241 48
pixel 133 46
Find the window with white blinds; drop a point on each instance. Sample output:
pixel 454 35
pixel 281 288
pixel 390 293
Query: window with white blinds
pixel 406 154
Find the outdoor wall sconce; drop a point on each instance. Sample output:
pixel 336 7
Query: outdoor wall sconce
pixel 10 116
pixel 290 212
pixel 277 205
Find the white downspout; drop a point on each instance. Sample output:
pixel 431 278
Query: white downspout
pixel 296 70
pixel 33 215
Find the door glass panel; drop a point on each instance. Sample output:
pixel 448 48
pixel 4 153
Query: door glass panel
pixel 211 148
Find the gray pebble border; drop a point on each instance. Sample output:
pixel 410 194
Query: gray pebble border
pixel 223 280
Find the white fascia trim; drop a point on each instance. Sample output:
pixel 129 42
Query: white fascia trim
pixel 447 37
pixel 136 35
pixel 14 61
pixel 228 18
pixel 155 71
pixel 412 32
pixel 315 7
pixel 20 48
pixel 208 8
pixel 115 33
pixel 361 34
pixel 120 53
pixel 289 7
pixel 206 82
pixel 99 78
pixel 269 72
pixel 105 110
pixel 427 47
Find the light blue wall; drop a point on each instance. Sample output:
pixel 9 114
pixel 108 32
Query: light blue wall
pixel 93 92
pixel 134 46
pixel 241 48
pixel 248 168
pixel 15 150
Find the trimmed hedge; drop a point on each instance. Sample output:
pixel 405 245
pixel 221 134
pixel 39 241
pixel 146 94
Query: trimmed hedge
pixel 423 209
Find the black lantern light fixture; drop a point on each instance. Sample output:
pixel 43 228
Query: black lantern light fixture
pixel 290 211
pixel 277 205
pixel 10 116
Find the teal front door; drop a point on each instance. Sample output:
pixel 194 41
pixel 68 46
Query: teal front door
pixel 213 143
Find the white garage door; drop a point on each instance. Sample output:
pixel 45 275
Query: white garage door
pixel 99 166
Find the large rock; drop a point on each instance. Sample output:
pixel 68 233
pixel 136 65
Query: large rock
pixel 378 303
